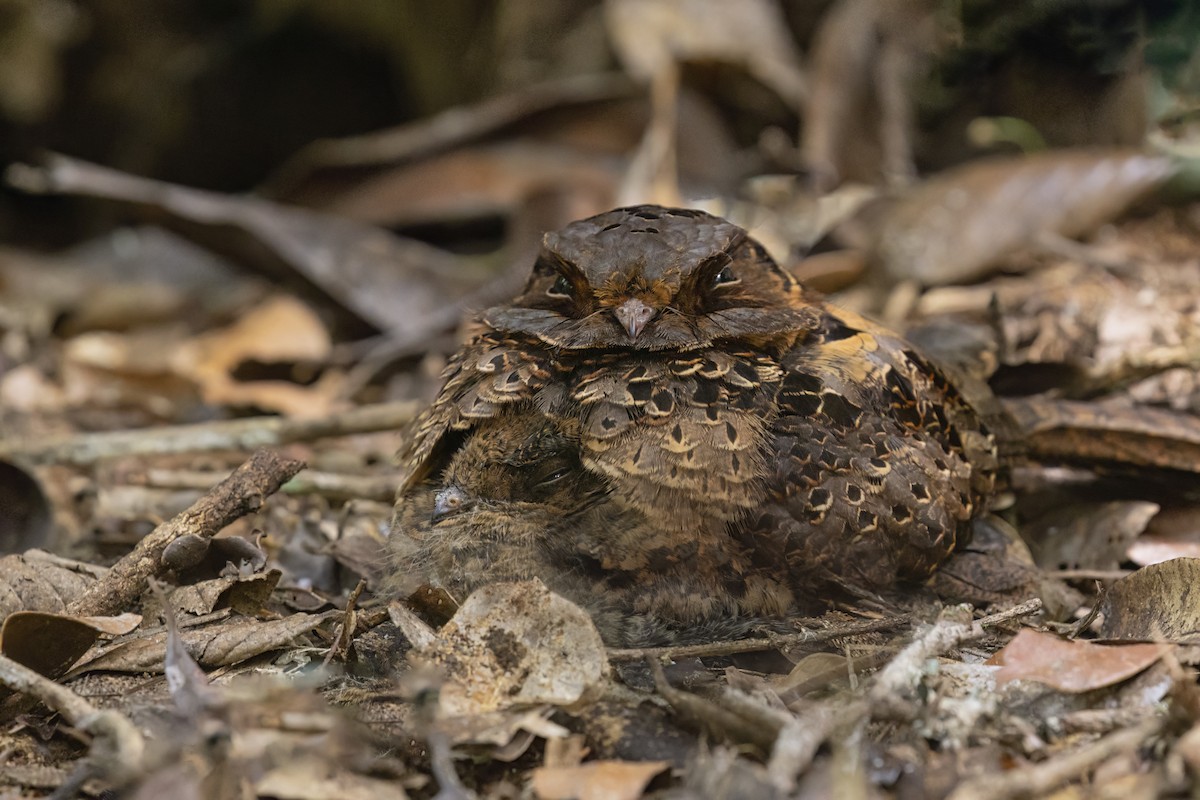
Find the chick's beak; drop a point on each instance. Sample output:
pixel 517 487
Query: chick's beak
pixel 448 502
pixel 633 315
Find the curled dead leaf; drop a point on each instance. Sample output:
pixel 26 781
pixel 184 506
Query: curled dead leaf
pixel 1071 665
pixel 956 226
pixel 244 595
pixel 51 643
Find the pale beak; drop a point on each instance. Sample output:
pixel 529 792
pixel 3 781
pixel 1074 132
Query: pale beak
pixel 448 502
pixel 633 315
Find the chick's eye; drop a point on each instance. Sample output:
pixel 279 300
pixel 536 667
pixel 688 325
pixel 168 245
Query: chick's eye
pixel 555 476
pixel 724 276
pixel 561 288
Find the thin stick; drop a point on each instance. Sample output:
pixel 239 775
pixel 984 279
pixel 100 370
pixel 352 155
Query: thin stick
pixel 750 645
pixel 1089 574
pixel 241 493
pixel 1009 614
pixel 894 685
pixel 240 434
pixel 1039 779
pixel 119 746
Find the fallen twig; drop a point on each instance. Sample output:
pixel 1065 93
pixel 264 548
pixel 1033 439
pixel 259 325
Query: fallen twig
pixel 118 747
pixel 759 729
pixel 895 684
pixel 1041 778
pixel 803 735
pixel 238 495
pixel 241 434
pixel 334 485
pixel 727 648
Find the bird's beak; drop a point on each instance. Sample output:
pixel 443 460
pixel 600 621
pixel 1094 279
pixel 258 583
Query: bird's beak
pixel 448 502
pixel 633 315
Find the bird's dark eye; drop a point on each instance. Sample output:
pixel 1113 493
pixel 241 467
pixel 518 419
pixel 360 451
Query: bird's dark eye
pixel 724 276
pixel 561 288
pixel 555 476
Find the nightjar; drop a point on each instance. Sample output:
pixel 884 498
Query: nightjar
pixel 514 503
pixel 731 410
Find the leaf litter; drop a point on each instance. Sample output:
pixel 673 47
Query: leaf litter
pixel 132 386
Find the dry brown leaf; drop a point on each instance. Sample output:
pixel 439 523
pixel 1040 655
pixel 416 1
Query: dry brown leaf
pixel 35 585
pixel 1065 431
pixel 119 625
pixel 813 671
pixel 1071 665
pixel 281 329
pixel 1157 603
pixel 1096 329
pixel 370 277
pixel 596 780
pixel 109 369
pixel 517 644
pixel 47 643
pixel 50 644
pixel 1089 536
pixel 472 183
pixel 229 642
pixel 956 226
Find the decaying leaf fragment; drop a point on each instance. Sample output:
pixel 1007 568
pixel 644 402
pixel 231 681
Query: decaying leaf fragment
pixel 1157 603
pixel 1091 536
pixel 514 644
pixel 596 780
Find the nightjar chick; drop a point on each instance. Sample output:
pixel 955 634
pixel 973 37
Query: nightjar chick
pixel 515 503
pixel 729 407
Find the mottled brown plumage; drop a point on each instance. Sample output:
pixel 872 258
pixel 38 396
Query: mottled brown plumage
pixel 515 503
pixel 732 412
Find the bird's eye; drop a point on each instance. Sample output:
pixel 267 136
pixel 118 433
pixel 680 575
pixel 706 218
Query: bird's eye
pixel 555 476
pixel 724 276
pixel 561 288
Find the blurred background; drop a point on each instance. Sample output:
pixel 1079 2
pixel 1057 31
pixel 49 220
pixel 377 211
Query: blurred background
pixel 227 94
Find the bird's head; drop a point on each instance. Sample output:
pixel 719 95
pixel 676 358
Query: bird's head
pixel 653 278
pixel 518 470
